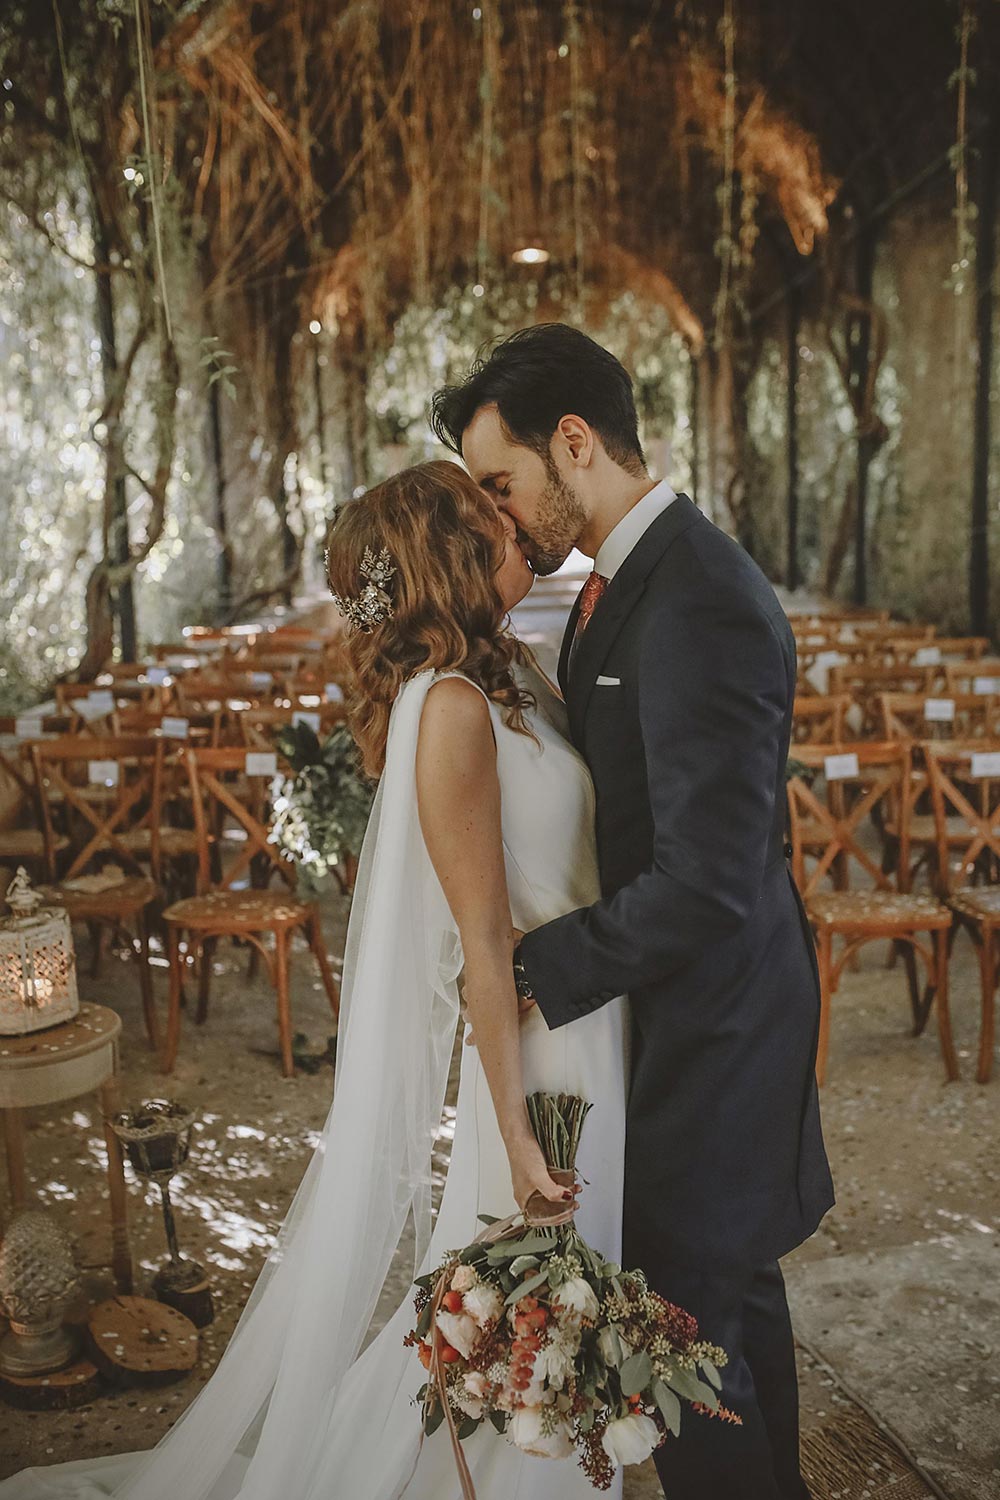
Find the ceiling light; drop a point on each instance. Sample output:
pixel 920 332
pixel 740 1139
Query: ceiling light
pixel 530 255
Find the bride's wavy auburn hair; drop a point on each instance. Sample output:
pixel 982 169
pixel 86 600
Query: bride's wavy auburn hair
pixel 446 542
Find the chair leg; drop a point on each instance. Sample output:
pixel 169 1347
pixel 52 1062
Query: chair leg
pixel 918 1011
pixel 988 971
pixel 943 1009
pixel 174 999
pixel 284 1009
pixel 314 932
pixel 824 958
pixel 141 951
pixel 205 960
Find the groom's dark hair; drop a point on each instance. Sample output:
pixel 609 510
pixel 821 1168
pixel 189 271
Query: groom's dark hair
pixel 534 377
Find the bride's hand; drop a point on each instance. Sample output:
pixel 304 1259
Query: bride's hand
pixel 529 1174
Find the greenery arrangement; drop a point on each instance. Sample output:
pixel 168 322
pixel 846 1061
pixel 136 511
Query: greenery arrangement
pixel 321 810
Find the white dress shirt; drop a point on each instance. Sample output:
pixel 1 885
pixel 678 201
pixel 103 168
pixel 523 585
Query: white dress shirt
pixel 634 523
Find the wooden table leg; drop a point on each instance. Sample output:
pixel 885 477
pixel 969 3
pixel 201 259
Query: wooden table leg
pixel 14 1136
pixel 121 1254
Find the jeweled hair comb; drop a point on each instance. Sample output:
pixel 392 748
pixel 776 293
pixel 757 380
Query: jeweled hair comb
pixel 373 605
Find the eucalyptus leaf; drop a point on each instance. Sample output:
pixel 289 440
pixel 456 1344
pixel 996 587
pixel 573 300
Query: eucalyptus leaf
pixel 669 1406
pixel 636 1373
pixel 526 1288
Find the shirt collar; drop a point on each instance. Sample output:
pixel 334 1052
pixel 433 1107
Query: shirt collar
pixel 634 523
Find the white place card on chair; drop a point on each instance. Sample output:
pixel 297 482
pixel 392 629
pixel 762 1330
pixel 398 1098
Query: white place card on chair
pixel 102 772
pixel 261 679
pixel 927 656
pixel 27 728
pixel 174 729
pixel 156 676
pixel 940 710
pixel 985 685
pixel 303 716
pixel 261 763
pixel 986 763
pixel 96 705
pixel 334 692
pixel 839 767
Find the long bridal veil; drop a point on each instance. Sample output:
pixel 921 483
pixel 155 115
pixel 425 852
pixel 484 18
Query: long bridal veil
pixel 306 1318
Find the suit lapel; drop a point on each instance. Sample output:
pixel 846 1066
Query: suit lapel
pixel 567 642
pixel 623 594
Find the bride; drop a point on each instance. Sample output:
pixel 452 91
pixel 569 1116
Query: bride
pixel 482 824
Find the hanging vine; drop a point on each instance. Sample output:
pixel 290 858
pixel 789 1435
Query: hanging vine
pixel 725 245
pixel 961 80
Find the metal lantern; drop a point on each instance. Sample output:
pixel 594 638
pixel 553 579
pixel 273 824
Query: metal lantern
pixel 37 1279
pixel 37 963
pixel 156 1138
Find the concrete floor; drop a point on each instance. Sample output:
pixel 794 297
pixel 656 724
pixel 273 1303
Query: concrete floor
pixel 896 1295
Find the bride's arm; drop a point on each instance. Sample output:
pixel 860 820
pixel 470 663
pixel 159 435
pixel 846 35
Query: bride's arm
pixel 458 799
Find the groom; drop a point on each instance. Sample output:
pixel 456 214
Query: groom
pixel 678 668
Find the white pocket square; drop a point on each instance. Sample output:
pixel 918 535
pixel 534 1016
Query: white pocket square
pixel 609 682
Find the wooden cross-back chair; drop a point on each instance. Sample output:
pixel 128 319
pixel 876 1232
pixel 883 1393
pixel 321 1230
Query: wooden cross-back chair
pixel 199 692
pixel 849 785
pixel 227 905
pixel 128 772
pixel 25 843
pixel 258 725
pixel 965 786
pixel 820 718
pixel 916 718
pixel 865 682
pixel 981 677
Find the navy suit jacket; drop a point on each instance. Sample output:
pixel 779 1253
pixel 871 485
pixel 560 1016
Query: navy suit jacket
pixel 699 922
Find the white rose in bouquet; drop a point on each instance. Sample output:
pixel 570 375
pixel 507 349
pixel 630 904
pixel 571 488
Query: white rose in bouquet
pixel 483 1304
pixel 555 1362
pixel 540 1431
pixel 476 1383
pixel 609 1342
pixel 578 1297
pixel 464 1279
pixel 630 1440
pixel 460 1330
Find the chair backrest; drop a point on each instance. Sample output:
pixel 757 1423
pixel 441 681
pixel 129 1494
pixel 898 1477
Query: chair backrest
pixel 257 725
pixel 981 677
pixel 229 798
pixel 852 787
pixel 866 682
pixel 965 790
pixel 202 727
pixel 198 691
pixel 113 786
pixel 819 719
pixel 912 716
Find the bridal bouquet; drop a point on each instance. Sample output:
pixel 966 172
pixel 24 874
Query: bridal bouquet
pixel 531 1329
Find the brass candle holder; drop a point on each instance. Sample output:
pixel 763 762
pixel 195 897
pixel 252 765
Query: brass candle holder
pixel 156 1138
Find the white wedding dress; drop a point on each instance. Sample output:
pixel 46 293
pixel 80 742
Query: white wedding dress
pixel 293 1412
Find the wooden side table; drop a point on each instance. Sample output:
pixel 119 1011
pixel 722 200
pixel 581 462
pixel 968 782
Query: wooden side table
pixel 59 1063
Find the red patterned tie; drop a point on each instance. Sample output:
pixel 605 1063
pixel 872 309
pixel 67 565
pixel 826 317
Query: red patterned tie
pixel 593 590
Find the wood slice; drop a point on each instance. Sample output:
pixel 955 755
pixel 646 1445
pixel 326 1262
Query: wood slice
pixel 136 1341
pixel 195 1302
pixel 63 1390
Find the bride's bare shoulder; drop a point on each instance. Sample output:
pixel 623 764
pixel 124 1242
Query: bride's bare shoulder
pixel 455 722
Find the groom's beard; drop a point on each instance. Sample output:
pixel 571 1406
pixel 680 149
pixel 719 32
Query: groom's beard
pixel 559 520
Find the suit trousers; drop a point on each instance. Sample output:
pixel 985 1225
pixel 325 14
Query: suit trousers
pixel 713 1459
